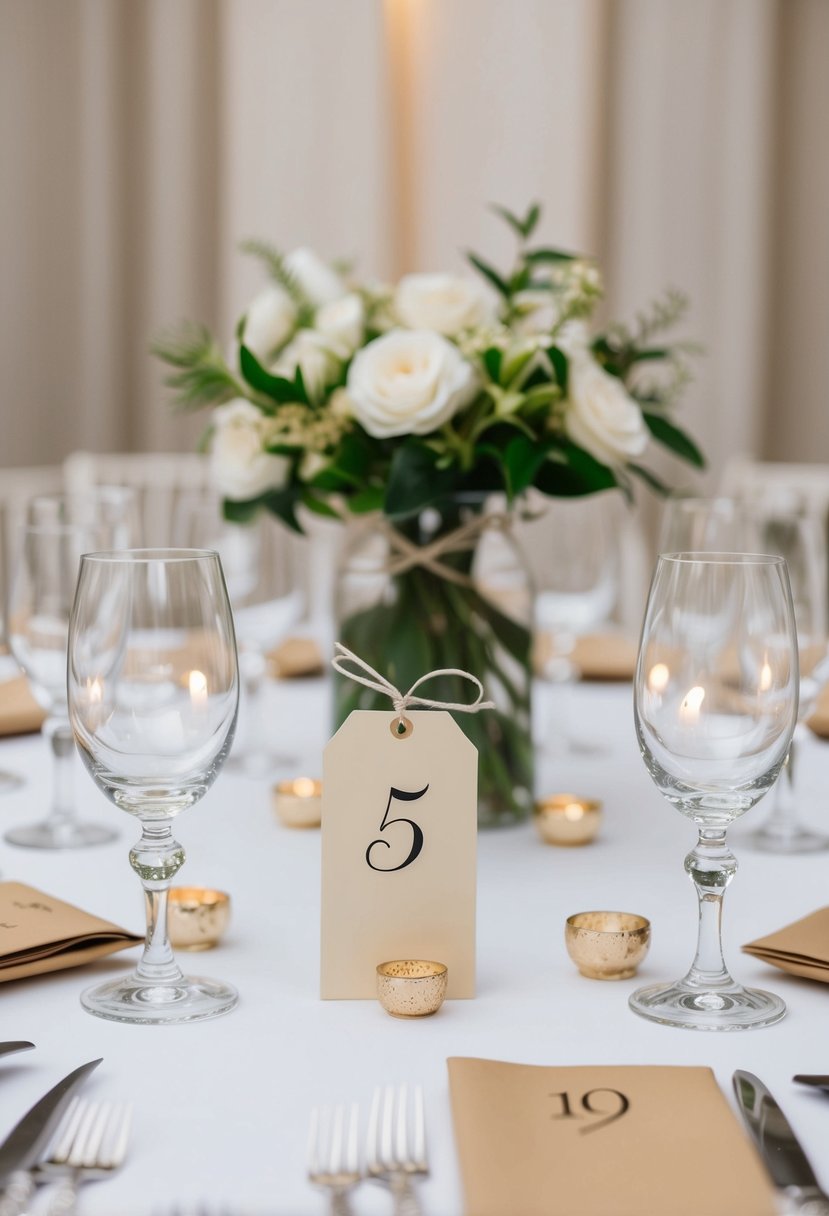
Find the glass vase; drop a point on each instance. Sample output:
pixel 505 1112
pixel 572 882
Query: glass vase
pixel 448 588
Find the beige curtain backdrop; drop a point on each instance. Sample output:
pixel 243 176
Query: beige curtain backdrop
pixel 681 141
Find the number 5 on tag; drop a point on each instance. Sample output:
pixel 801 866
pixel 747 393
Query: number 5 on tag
pixel 399 824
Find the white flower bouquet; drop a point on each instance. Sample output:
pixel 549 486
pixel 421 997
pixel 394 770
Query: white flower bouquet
pixel 354 398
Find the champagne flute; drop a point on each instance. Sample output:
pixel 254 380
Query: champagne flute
pixel 716 693
pixel 153 696
pixel 40 597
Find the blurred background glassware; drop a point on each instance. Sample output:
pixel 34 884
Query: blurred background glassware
pixel 715 698
pixel 112 511
pixel 574 556
pixel 40 598
pixel 259 562
pixel 800 537
pixel 781 524
pixel 153 697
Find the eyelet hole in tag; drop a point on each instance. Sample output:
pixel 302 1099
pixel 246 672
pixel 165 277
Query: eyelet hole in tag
pixel 401 728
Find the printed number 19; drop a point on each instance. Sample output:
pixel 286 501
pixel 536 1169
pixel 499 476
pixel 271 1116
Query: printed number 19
pixel 417 834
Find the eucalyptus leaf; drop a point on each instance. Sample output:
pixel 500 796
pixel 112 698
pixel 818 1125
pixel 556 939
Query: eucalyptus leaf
pixel 491 275
pixel 278 388
pixel 415 481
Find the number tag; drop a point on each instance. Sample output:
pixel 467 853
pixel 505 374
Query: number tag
pixel 399 835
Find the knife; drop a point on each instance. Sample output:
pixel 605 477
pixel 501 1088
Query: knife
pixel 27 1140
pixel 778 1145
pixel 8 1049
pixel 819 1082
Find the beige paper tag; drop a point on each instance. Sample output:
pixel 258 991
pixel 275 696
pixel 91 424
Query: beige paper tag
pixel 399 836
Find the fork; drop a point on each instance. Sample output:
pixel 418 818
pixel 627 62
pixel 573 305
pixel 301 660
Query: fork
pixel 396 1149
pixel 334 1156
pixel 91 1143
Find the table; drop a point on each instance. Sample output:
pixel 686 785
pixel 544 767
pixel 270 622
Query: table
pixel 221 1107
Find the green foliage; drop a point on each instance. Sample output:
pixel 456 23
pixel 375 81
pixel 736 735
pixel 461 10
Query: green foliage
pixel 277 388
pixel 673 438
pixel 200 376
pixel 415 480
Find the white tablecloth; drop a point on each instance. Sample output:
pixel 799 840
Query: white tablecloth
pixel 221 1107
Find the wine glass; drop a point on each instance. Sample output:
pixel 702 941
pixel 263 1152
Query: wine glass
pixel 780 525
pixel 573 551
pixel 716 693
pixel 258 562
pixel 153 696
pixel 112 511
pixel 40 597
pixel 800 537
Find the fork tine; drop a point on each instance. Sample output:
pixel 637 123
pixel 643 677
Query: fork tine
pixel 114 1147
pixel 352 1163
pixel 335 1153
pixel 76 1151
pixel 67 1130
pixel 373 1132
pixel 96 1135
pixel 402 1153
pixel 313 1141
pixel 420 1156
pixel 386 1150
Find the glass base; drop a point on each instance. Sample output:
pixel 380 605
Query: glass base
pixel 68 835
pixel 190 999
pixel 798 840
pixel 692 1008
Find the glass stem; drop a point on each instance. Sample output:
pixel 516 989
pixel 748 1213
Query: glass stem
pixel 59 733
pixel 156 859
pixel 781 822
pixel 710 866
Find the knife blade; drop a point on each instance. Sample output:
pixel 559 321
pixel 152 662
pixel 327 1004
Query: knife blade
pixel 772 1133
pixel 8 1049
pixel 29 1137
pixel 818 1082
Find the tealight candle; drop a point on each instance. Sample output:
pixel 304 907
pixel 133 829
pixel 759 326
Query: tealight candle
pixel 565 819
pixel 298 803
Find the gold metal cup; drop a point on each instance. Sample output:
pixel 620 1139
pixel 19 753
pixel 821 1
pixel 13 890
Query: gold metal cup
pixel 298 803
pixel 196 917
pixel 567 820
pixel 607 945
pixel 411 988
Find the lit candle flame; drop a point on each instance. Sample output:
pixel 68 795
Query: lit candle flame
pixel 658 677
pixel 574 811
pixel 691 705
pixel 198 687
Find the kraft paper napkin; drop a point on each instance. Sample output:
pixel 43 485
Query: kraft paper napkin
pixel 20 713
pixel 597 656
pixel 522 1154
pixel 295 658
pixel 39 933
pixel 819 721
pixel 801 948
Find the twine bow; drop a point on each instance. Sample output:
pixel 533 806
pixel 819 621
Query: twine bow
pixel 402 700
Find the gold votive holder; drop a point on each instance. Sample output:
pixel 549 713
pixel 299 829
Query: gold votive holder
pixel 567 819
pixel 411 988
pixel 298 803
pixel 196 917
pixel 607 945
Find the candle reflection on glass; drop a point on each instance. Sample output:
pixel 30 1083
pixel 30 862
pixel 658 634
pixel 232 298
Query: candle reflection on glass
pixel 689 710
pixel 658 677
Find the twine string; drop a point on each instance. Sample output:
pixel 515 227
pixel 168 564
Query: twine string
pixel 403 700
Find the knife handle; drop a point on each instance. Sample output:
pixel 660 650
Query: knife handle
pixel 18 1191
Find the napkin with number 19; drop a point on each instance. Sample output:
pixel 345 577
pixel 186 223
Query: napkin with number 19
pixel 601 1141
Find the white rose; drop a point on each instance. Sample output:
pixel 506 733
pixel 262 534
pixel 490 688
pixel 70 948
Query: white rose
pixel 312 354
pixel 574 339
pixel 408 382
pixel 269 323
pixel 318 282
pixel 444 302
pixel 342 322
pixel 240 466
pixel 602 417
